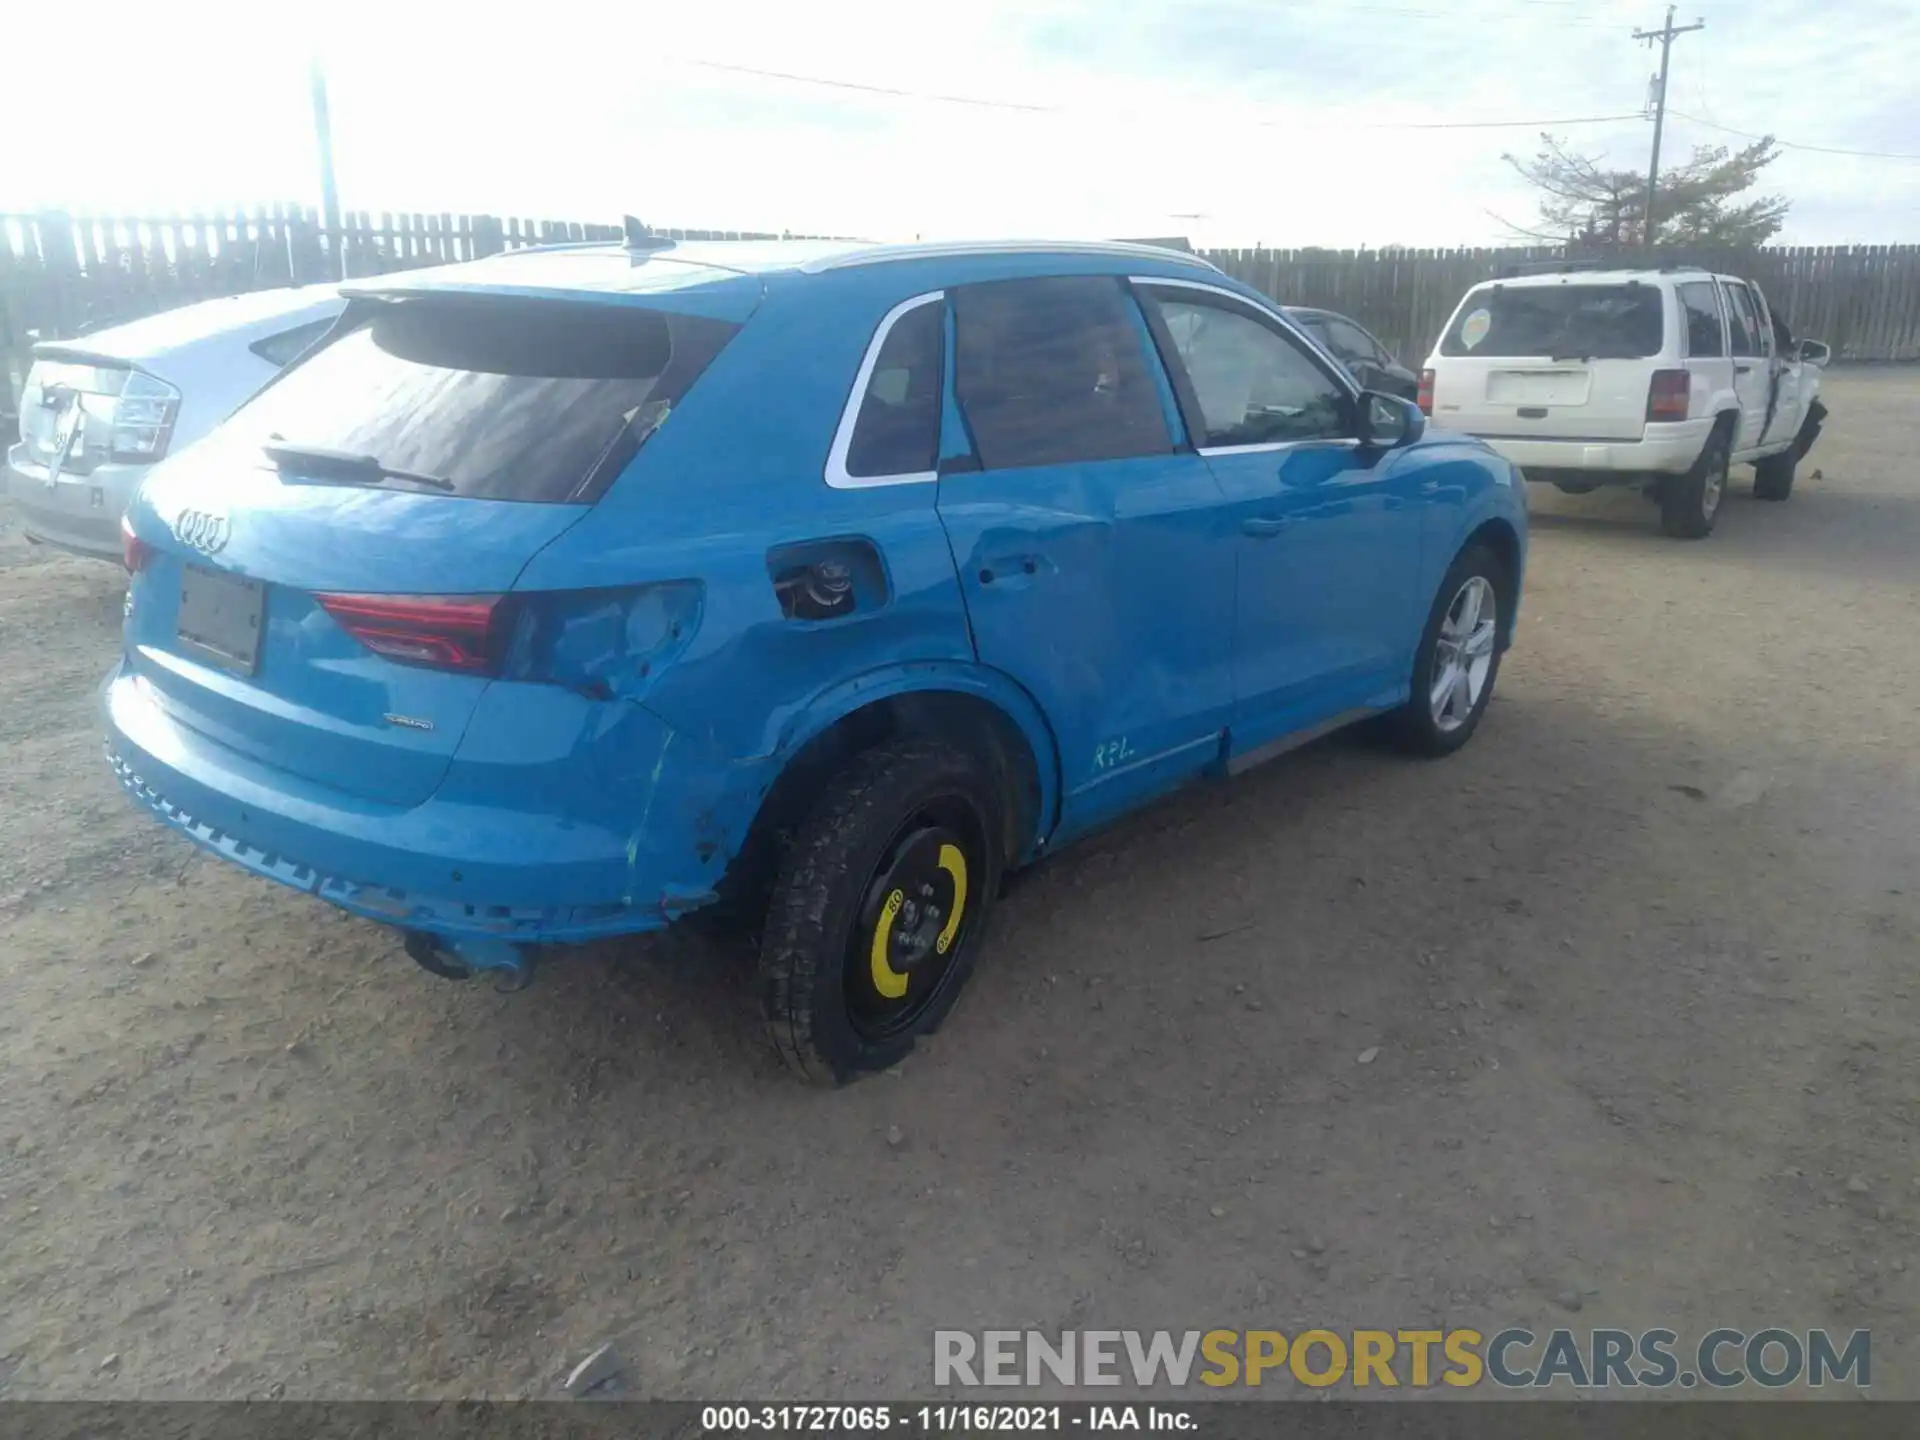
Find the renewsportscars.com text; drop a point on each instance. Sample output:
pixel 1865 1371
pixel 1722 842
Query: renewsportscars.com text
pixel 1513 1358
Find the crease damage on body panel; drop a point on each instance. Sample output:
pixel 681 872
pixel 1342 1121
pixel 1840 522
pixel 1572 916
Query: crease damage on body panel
pixel 633 839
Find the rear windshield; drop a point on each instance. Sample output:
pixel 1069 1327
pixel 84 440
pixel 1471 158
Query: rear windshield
pixel 1559 322
pixel 498 399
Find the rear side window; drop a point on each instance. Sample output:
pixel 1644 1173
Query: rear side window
pixel 1558 322
pixel 1697 303
pixel 1051 371
pixel 502 399
pixel 898 428
pixel 1351 343
pixel 1742 323
pixel 289 345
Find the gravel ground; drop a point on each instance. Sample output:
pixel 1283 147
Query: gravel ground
pixel 1638 969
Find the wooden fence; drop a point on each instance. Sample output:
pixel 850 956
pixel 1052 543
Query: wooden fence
pixel 1863 300
pixel 63 274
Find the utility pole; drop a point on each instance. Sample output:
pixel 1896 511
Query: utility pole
pixel 329 194
pixel 1666 35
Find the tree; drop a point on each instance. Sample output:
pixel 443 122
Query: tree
pixel 1699 203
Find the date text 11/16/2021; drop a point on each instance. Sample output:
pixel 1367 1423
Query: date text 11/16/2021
pixel 944 1419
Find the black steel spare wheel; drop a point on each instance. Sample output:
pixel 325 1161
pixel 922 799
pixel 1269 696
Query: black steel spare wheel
pixel 877 914
pixel 913 920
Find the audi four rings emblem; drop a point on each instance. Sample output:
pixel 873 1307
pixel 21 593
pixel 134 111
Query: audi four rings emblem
pixel 205 532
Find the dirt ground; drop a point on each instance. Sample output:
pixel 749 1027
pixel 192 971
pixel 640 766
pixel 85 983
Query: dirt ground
pixel 1638 965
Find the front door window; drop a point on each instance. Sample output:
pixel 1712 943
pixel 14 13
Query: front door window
pixel 1253 385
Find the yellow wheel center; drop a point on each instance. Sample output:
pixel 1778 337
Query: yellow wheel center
pixel 888 981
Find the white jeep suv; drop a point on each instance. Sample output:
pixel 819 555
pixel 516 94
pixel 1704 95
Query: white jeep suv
pixel 1659 379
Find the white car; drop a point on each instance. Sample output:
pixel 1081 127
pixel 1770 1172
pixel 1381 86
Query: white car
pixel 98 412
pixel 1658 379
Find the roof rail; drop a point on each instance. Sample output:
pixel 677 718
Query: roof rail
pixel 1558 267
pixel 880 254
pixel 1158 242
pixel 1574 267
pixel 547 247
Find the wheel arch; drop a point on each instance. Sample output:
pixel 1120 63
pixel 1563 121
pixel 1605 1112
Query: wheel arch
pixel 1724 407
pixel 1726 426
pixel 974 708
pixel 1498 534
pixel 1726 423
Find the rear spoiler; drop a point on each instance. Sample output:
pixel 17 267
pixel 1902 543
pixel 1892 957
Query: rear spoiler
pixel 79 355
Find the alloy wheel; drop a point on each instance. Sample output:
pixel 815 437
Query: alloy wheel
pixel 1714 486
pixel 1463 654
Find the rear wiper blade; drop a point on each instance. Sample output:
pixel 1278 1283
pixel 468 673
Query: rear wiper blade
pixel 326 460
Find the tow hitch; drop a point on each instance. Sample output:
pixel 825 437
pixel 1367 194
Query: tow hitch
pixel 510 965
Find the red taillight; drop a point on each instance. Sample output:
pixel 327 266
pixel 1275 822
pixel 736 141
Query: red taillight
pixel 445 632
pixel 1425 398
pixel 1667 396
pixel 134 552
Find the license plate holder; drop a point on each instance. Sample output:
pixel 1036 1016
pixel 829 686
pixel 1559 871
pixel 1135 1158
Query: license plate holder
pixel 222 618
pixel 1538 387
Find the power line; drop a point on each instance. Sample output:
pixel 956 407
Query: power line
pixel 1795 145
pixel 1033 109
pixel 1488 124
pixel 877 89
pixel 1455 17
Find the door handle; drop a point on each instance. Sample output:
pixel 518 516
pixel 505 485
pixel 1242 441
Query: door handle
pixel 1262 527
pixel 1009 567
pixel 1742 369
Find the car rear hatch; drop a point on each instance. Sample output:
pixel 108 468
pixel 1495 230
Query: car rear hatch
pixel 83 408
pixel 1565 361
pixel 322 584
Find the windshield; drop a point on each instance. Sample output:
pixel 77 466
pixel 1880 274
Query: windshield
pixel 1561 322
pixel 500 399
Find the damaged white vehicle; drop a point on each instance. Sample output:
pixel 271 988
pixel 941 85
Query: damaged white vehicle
pixel 1659 379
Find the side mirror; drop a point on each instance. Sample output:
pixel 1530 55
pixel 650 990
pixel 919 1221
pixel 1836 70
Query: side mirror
pixel 1388 422
pixel 1815 352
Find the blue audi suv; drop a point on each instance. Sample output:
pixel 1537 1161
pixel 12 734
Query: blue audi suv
pixel 567 593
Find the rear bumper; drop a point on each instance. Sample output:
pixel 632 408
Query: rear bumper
pixel 80 513
pixel 458 869
pixel 1666 449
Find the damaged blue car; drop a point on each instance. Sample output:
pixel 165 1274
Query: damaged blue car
pixel 565 593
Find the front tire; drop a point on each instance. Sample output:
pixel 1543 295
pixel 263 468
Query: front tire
pixel 1773 476
pixel 1690 503
pixel 877 915
pixel 1459 656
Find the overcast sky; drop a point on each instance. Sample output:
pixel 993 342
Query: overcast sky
pixel 1232 121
